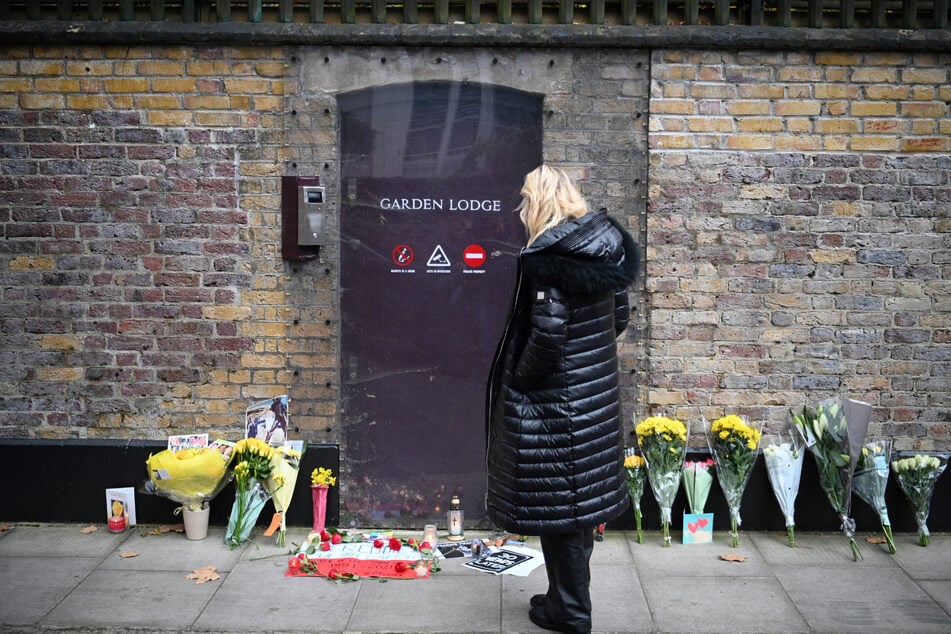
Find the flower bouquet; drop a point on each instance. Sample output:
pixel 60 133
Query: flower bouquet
pixel 252 467
pixel 191 477
pixel 916 477
pixel 634 465
pixel 784 469
pixel 321 479
pixel 280 484
pixel 663 442
pixel 733 443
pixel 834 433
pixel 697 481
pixel 870 480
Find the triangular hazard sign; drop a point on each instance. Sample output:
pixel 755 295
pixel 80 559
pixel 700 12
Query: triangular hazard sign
pixel 438 258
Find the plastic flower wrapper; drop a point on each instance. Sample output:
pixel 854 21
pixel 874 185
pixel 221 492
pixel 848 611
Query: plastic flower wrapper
pixel 280 484
pixel 870 480
pixel 697 481
pixel 734 445
pixel 784 459
pixel 916 476
pixel 834 434
pixel 252 467
pixel 636 474
pixel 663 441
pixel 191 477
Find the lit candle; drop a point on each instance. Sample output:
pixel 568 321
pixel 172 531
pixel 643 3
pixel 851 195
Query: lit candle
pixel 429 534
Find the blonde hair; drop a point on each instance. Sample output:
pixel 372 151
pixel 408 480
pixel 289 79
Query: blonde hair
pixel 548 199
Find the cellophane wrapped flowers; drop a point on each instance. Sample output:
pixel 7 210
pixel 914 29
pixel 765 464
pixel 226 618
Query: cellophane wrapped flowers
pixel 280 484
pixel 192 477
pixel 784 457
pixel 636 469
pixel 663 441
pixel 916 476
pixel 834 433
pixel 734 445
pixel 697 481
pixel 252 467
pixel 870 480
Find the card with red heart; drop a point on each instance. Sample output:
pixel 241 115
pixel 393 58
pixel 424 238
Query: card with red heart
pixel 698 528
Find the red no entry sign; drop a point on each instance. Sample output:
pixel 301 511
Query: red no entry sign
pixel 473 255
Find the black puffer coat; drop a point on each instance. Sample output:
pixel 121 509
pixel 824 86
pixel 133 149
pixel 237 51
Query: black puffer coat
pixel 555 458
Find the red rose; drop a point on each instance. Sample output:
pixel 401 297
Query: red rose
pixel 425 546
pixel 336 538
pixel 378 543
pixel 324 536
pixel 411 541
pixel 332 574
pixel 401 566
pixel 325 545
pixel 395 544
pixel 293 564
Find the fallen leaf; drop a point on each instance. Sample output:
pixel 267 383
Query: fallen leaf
pixel 202 575
pixel 128 553
pixel 4 528
pixel 876 540
pixel 732 557
pixel 89 529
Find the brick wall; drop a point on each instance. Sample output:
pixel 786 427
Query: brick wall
pixel 797 243
pixel 141 281
pixel 799 235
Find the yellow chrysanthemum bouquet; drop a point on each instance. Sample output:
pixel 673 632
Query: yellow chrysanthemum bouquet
pixel 663 441
pixel 734 445
pixel 636 468
pixel 252 467
pixel 192 477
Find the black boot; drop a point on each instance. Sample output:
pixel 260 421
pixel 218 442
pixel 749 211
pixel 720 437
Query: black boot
pixel 567 607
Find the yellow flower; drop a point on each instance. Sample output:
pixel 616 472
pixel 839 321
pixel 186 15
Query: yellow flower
pixel 634 461
pixel 322 476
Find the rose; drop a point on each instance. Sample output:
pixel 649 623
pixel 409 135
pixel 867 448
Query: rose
pixel 293 564
pixel 336 538
pixel 401 566
pixel 378 543
pixel 395 543
pixel 325 546
pixel 324 536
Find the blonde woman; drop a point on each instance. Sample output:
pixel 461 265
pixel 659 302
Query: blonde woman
pixel 555 450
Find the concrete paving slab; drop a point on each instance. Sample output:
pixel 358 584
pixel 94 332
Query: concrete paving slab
pixel 135 598
pixel 30 587
pixel 721 604
pixel 613 549
pixel 651 558
pixel 516 594
pixel 173 551
pixel 446 604
pixel 618 600
pixel 827 549
pixel 256 596
pixel 861 598
pixel 59 540
pixel 940 593
pixel 924 562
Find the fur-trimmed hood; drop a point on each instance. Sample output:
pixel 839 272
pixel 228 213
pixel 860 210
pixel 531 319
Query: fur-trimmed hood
pixel 591 254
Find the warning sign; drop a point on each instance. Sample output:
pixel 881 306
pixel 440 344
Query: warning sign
pixel 473 255
pixel 438 258
pixel 403 255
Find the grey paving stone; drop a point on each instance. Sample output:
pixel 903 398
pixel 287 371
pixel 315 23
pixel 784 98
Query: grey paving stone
pixel 135 598
pixel 257 596
pixel 444 604
pixel 861 598
pixel 173 551
pixel 651 558
pixel 30 587
pixel 59 540
pixel 720 604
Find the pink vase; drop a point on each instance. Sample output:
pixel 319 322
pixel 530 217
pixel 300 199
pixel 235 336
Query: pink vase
pixel 319 493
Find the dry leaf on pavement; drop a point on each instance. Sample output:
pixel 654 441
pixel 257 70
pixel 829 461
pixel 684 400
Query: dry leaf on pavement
pixel 166 528
pixel 202 575
pixel 876 540
pixel 128 553
pixel 89 529
pixel 732 557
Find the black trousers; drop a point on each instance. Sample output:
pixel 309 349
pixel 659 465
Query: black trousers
pixel 567 559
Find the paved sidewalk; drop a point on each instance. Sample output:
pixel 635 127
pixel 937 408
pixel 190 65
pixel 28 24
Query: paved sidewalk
pixel 54 578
